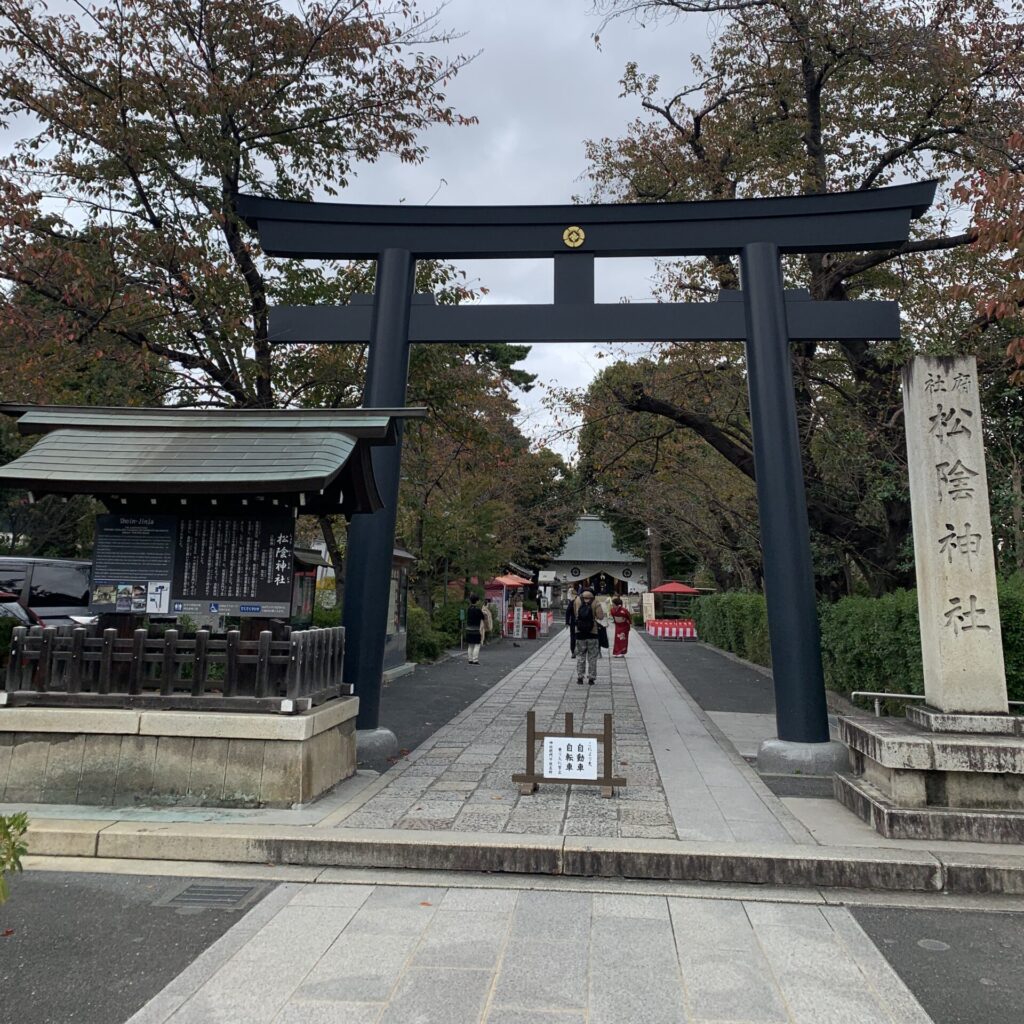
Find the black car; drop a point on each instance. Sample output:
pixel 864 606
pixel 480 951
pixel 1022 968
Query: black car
pixel 56 589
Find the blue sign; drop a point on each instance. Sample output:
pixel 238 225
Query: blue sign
pixel 245 609
pixel 177 606
pixel 214 607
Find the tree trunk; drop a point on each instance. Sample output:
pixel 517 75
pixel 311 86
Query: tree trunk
pixel 657 564
pixel 336 556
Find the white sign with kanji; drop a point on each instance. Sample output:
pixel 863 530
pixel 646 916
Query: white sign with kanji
pixel 568 757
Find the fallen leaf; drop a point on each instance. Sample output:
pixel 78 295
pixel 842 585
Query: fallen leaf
pixel 6 933
pixel 426 903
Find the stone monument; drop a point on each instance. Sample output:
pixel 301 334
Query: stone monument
pixel 954 767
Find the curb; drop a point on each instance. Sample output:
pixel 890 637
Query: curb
pixel 575 856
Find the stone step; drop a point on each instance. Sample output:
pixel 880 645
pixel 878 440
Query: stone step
pixel 655 859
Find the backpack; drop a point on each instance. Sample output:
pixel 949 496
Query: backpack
pixel 585 619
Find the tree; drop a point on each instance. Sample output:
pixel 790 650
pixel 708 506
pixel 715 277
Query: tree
pixel 798 97
pixel 645 474
pixel 147 118
pixel 475 495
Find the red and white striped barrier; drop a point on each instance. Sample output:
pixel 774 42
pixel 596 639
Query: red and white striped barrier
pixel 672 629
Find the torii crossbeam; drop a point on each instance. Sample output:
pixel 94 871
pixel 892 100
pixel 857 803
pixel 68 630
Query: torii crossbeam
pixel 764 316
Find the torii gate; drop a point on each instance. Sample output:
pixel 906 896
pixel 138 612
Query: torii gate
pixel 766 318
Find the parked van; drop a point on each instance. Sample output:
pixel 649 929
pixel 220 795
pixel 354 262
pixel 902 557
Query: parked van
pixel 56 589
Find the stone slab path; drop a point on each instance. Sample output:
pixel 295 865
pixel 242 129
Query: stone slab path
pixel 684 779
pixel 379 954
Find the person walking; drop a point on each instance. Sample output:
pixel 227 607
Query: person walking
pixel 474 624
pixel 570 622
pixel 586 616
pixel 623 621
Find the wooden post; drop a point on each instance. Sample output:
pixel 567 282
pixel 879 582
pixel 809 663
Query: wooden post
pixel 200 663
pixel 292 677
pixel 170 663
pixel 263 665
pixel 138 662
pixel 607 791
pixel 107 660
pixel 525 788
pixel 45 665
pixel 231 645
pixel 18 635
pixel 75 664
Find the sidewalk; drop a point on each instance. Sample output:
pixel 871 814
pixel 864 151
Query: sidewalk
pixel 692 809
pixel 356 954
pixel 682 782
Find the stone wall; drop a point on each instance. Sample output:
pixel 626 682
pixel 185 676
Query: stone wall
pixel 188 758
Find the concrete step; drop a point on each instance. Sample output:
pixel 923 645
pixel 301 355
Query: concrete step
pixel 656 859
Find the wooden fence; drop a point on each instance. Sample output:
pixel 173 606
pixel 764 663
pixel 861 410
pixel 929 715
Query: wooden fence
pixel 77 667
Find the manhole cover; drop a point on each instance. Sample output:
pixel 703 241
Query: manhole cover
pixel 213 895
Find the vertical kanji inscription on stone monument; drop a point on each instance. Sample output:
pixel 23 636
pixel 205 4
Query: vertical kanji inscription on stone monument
pixel 956 577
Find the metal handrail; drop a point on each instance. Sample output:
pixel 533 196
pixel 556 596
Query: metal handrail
pixel 879 697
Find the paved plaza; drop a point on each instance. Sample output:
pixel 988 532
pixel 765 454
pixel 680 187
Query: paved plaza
pixel 365 954
pixel 684 780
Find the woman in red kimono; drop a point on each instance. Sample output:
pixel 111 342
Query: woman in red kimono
pixel 622 620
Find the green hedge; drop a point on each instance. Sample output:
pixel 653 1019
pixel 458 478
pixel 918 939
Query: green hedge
pixel 867 643
pixel 423 642
pixel 872 643
pixel 734 622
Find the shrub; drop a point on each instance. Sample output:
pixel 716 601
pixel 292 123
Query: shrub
pixel 422 642
pixel 1011 613
pixel 324 618
pixel 12 847
pixel 867 643
pixel 446 621
pixel 872 643
pixel 735 622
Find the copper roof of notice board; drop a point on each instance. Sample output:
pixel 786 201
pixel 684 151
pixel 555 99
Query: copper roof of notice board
pixel 105 451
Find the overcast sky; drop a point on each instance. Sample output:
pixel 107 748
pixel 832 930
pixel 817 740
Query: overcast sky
pixel 540 88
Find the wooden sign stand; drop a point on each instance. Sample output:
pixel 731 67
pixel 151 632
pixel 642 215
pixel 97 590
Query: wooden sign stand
pixel 530 780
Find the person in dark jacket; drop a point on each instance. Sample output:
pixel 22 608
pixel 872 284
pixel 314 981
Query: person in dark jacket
pixel 587 617
pixel 474 629
pixel 570 622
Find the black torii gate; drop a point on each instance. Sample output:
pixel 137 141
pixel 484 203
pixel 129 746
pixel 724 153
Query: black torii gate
pixel 766 318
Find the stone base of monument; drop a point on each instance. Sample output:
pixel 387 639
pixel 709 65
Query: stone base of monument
pixel 118 757
pixel 934 775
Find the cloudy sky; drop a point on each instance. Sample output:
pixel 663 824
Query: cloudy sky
pixel 540 87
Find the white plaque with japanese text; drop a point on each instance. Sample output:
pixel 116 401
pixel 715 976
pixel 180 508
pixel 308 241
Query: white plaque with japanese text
pixel 956 577
pixel 566 757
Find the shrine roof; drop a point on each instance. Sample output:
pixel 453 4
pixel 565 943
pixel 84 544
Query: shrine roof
pixel 593 542
pixel 317 459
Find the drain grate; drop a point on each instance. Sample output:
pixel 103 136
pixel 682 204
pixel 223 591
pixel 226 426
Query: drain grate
pixel 213 896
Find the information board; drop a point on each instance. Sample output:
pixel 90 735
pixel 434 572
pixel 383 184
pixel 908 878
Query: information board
pixel 132 564
pixel 234 565
pixel 648 606
pixel 566 757
pixel 210 565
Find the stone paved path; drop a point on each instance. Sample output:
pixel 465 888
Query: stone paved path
pixel 683 781
pixel 365 954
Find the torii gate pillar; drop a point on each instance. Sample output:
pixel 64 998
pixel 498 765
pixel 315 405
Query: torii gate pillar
pixel 759 231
